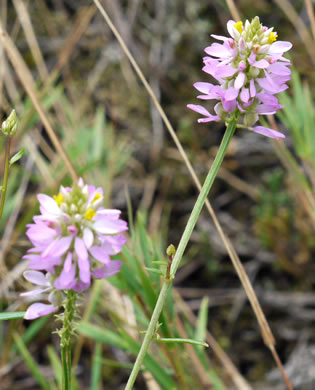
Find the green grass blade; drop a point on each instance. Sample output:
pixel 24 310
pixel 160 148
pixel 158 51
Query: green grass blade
pixel 30 362
pixel 11 316
pixel 96 374
pixel 202 322
pixel 55 364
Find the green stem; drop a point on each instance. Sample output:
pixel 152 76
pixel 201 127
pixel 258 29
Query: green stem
pixel 180 250
pixel 66 336
pixel 6 173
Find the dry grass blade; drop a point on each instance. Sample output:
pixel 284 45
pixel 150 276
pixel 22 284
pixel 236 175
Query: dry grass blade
pixel 299 25
pixel 27 26
pixel 305 196
pixel 310 11
pixel 265 329
pixel 3 17
pixel 81 23
pixel 27 81
pixel 233 10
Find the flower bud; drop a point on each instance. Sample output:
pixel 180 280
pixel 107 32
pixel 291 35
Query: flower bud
pixel 9 126
pixel 250 119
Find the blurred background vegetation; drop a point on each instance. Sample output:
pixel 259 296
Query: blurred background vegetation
pixel 264 195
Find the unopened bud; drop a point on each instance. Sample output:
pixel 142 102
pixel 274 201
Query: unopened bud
pixel 250 119
pixel 170 251
pixel 9 126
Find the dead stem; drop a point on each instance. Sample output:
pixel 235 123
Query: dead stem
pixel 281 368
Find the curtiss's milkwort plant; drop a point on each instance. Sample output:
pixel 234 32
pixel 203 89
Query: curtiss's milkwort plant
pixel 250 69
pixel 73 240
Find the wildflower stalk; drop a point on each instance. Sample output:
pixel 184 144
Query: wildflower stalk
pixel 66 339
pixel 180 250
pixel 6 173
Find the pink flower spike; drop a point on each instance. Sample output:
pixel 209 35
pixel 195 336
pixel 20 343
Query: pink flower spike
pixel 70 224
pixel 249 71
pixel 267 132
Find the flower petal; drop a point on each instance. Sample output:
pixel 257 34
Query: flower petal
pixel 37 310
pixel 100 254
pixel 244 95
pixel 66 279
pixel 218 50
pixel 252 88
pixel 110 226
pixel 48 204
pixel 88 237
pixel 109 270
pixel 239 81
pixel 268 132
pixel 58 247
pixel 231 94
pixel 83 262
pixel 280 47
pixel 261 64
pixel 36 277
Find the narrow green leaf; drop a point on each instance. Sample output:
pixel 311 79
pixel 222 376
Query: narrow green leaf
pixel 159 262
pixel 11 316
pixel 34 328
pixel 155 271
pixel 30 362
pixel 126 342
pixel 55 364
pixel 182 341
pixel 202 322
pixel 96 374
pixel 17 156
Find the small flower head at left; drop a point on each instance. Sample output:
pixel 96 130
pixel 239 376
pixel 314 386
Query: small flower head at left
pixel 74 238
pixel 9 126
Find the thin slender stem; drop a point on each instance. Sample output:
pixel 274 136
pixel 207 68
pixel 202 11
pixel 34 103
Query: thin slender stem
pixel 66 343
pixel 180 251
pixel 6 173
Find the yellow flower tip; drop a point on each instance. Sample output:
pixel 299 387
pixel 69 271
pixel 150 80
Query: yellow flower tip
pixel 272 37
pixel 58 198
pixel 89 214
pixel 96 197
pixel 239 26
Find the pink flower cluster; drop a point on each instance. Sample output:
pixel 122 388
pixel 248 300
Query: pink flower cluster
pixel 73 240
pixel 250 69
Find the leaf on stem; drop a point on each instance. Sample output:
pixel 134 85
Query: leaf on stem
pixel 17 156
